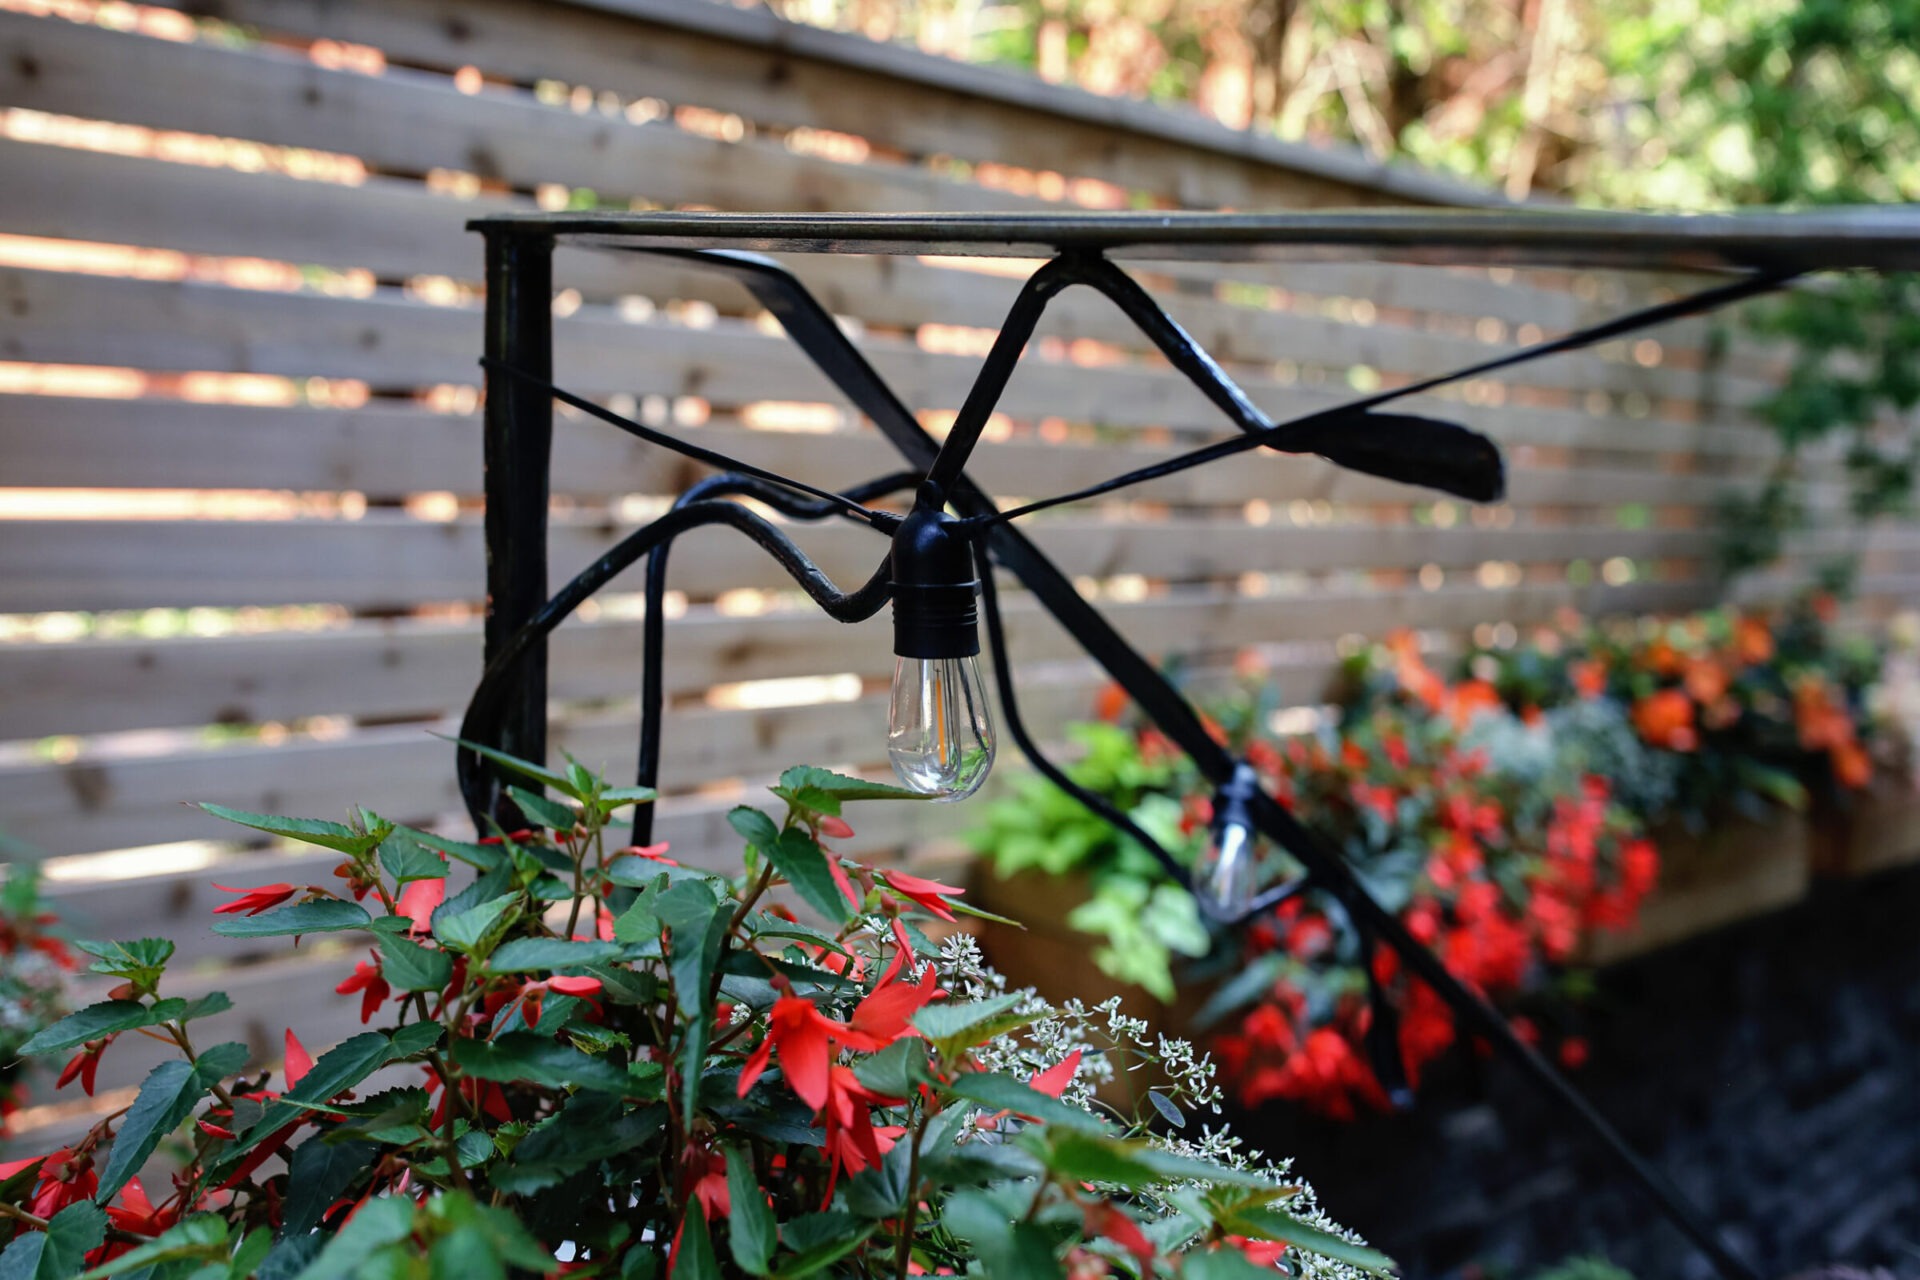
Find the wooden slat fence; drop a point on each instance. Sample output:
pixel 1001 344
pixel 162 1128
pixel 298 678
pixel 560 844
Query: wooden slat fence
pixel 240 548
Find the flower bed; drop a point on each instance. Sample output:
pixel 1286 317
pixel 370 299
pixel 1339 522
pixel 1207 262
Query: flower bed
pixel 34 963
pixel 590 1060
pixel 1516 816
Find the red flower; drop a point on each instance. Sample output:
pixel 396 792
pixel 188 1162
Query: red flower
pixel 417 902
pixel 572 986
pixel 804 1036
pixel 370 984
pixel 299 1061
pixel 835 828
pixel 1105 1221
pixel 1573 1053
pixel 930 894
pixel 852 1142
pixel 1055 1079
pixel 884 1013
pixel 84 1065
pixel 1665 719
pixel 254 901
pixel 134 1212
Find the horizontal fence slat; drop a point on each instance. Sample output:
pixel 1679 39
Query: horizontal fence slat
pixel 392 342
pixel 788 74
pixel 387 562
pixel 269 95
pixel 92 803
pixel 398 228
pixel 382 449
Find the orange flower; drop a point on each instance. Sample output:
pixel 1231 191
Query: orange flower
pixel 1665 719
pixel 1413 673
pixel 1111 703
pixel 1752 641
pixel 1663 659
pixel 1822 724
pixel 1470 699
pixel 1851 765
pixel 1706 680
pixel 1589 678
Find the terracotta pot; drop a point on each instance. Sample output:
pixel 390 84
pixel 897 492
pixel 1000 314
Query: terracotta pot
pixel 1869 830
pixel 1735 869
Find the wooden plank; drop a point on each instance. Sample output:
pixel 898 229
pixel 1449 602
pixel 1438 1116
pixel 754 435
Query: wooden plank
pixel 789 74
pixel 387 449
pixel 390 341
pixel 397 228
pixel 264 94
pixel 99 802
pixel 386 561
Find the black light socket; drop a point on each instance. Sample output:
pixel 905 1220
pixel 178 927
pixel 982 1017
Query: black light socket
pixel 934 613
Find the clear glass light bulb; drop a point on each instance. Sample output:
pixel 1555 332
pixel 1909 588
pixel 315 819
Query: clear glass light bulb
pixel 1223 876
pixel 940 736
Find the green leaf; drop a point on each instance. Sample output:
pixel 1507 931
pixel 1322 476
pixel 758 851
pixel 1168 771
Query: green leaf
pixel 755 827
pixel 328 835
pixel 636 925
pixel 751 1232
pixel 1004 1093
pixel 1263 1223
pixel 166 1098
pixel 839 786
pixel 819 1240
pixel 1005 1247
pixel 483 856
pixel 140 960
pixel 109 1017
pixel 337 1070
pixel 589 1128
pixel 406 858
pixel 382 1221
pixel 524 1056
pixel 525 768
pixel 474 929
pixel 412 967
pixel 203 1236
pixel 323 915
pixel 962 1024
pixel 60 1251
pixel 542 955
pixel 1222 1263
pixel 544 812
pixel 620 797
pixel 699 930
pixel 318 1174
pixel 804 864
pixel 695 1260
pixel 205 1006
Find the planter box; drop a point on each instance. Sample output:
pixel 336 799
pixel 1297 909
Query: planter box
pixel 1873 830
pixel 1047 955
pixel 1735 869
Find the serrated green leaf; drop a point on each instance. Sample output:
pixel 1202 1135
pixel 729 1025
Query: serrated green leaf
pixel 751 1232
pixel 323 915
pixel 544 812
pixel 620 797
pixel 142 957
pixel 534 1059
pixel 473 929
pixel 412 967
pixel 483 856
pixel 406 858
pixel 318 1174
pixel 842 787
pixel 804 864
pixel 166 1098
pixel 337 1070
pixel 60 1251
pixel 1004 1093
pixel 328 835
pixel 753 826
pixel 108 1017
pixel 961 1024
pixel 525 768
pixel 382 1221
pixel 543 955
pixel 1263 1223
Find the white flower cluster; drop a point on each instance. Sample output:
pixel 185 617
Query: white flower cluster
pixel 1105 1033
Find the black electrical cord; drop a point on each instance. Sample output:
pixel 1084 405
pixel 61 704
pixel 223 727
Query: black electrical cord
pixel 653 626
